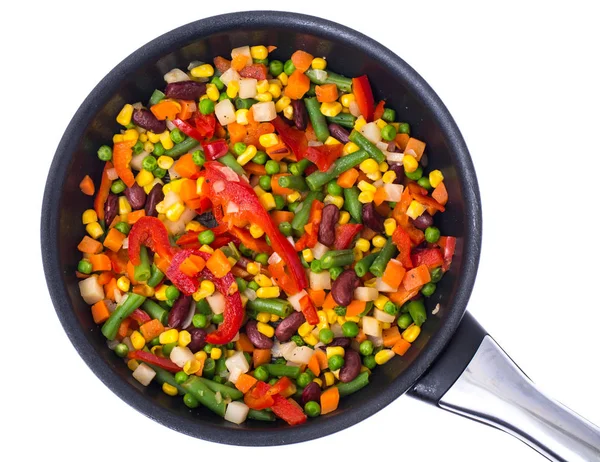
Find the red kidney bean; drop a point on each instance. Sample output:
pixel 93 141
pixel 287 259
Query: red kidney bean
pixel 344 342
pixel 188 89
pixel 399 170
pixel 156 195
pixel 342 289
pixel 198 339
pixel 258 339
pixel 136 196
pixel 312 392
pixel 145 119
pixel 111 208
pixel 424 221
pixel 351 367
pixel 371 218
pixel 329 218
pixel 179 312
pixel 289 326
pixel 339 133
pixel 300 114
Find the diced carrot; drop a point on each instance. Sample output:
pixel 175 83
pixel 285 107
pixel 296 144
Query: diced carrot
pixel 329 303
pixel 317 297
pixel 348 178
pixel 260 356
pixel 401 141
pixel 122 155
pixel 391 336
pixel 186 167
pixel 237 132
pixel 271 48
pixel 143 290
pixel 361 337
pixel 239 62
pixel 116 221
pixel 401 347
pixel 281 216
pixel 166 109
pixel 403 295
pixel 152 329
pixel 188 190
pixel 109 289
pixel 417 146
pixel 188 107
pixel 161 263
pixel 255 169
pixel 100 262
pixel 440 193
pixel 327 93
pixel 202 361
pixel 278 152
pixel 123 328
pixel 100 312
pixel 302 60
pixel 131 272
pixel 87 186
pixel 321 358
pixel 393 274
pixel 114 239
pixel 218 264
pixel 416 278
pixel 298 85
pixel 379 196
pixel 245 382
pixel 276 189
pixel 105 277
pixel 133 217
pixel 89 245
pixel 243 343
pixel 192 266
pixel 313 365
pixel 330 399
pixel 355 307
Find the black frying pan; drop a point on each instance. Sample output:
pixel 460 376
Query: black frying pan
pixel 454 364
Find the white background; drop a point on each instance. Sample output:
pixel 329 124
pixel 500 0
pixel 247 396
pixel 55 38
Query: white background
pixel 521 80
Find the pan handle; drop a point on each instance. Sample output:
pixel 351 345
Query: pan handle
pixel 490 388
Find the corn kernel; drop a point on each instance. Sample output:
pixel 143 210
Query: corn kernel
pixel 174 212
pixel 241 116
pixel 259 52
pixel 293 197
pixel 318 381
pixel 150 186
pixel 165 140
pixel 275 82
pixel 94 229
pixel 305 329
pixel 384 356
pixel 380 301
pixel 124 206
pixel 212 92
pixel 308 255
pixel 378 241
pixel 264 97
pixel 415 210
pixel 265 329
pixel 124 116
pixel 389 177
pixel 216 353
pixel 341 320
pixel 358 254
pixel 329 379
pixel 262 86
pixel 208 287
pixel 233 88
pixel 323 322
pixel 157 350
pixel 366 197
pixel 253 268
pixel 331 316
pixel 344 217
pixel 263 317
pixel 288 112
pixel 435 178
pixel 352 318
pixel 137 340
pixel 349 148
pixel 390 226
pixel 283 78
pixel 169 389
pixel 410 163
pixel 131 135
pixel 160 293
pixel 311 340
pixel 363 244
pixel 206 248
pixel 268 292
pixel 199 184
pixel 359 123
pixel 282 103
pixel 256 231
pixel 318 63
pixel 371 283
pixel 144 178
pixel 269 139
pixel 259 191
pixel 148 146
pixel 347 99
pixel 89 216
pixel 411 333
pixel 275 90
pixel 380 123
pixel 267 200
pixel 365 186
pixel 123 284
pixel 168 336
pixel 369 166
pixel 330 141
pixel 386 325
pixel 331 109
pixel 274 318
pixel 143 137
pixel 202 71
pixel 334 351
pixel 229 353
pixel 154 137
pixel 374 176
pixel 132 364
pixel 201 355
pixel 384 167
pixel 263 281
pixel 338 201
pixel 194 226
pixel 184 338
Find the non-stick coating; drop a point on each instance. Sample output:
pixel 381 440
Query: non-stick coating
pixel 348 52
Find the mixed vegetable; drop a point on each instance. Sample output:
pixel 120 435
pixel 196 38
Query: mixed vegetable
pixel 262 236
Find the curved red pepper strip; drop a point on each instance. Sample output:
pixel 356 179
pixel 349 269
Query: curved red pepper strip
pixel 287 410
pixel 103 192
pixel 151 232
pixel 364 96
pixel 186 284
pixel 292 137
pixel 403 242
pixel 150 358
pixel 344 235
pixel 324 156
pixel 215 149
pixel 309 311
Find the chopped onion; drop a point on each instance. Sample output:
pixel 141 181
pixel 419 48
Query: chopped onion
pixel 285 350
pixel 236 337
pixel 127 342
pixel 125 244
pixel 319 250
pixel 302 355
pixel 194 64
pixel 383 316
pixel 112 344
pixel 216 302
pixel 366 294
pixel 118 297
pixel 436 310
pixel 237 361
pixel 181 355
pixel 144 374
pixel 295 300
pixel 247 88
pixel 90 290
pixel 315 143
pixel 354 109
pixel 250 294
pixel 320 75
pixel 337 330
pixel 378 183
pixel 291 240
pixel 112 174
pixel 229 75
pixel 218 186
pixel 371 132
pixel 394 157
pixel 232 208
pixel 424 160
pixel 383 146
pixel 136 161
pixel 274 259
pixel 176 75
pixel 229 174
pixel 320 280
pixel 170 125
pixel 411 152
pixel 377 340
pixel 137 106
pixel 393 192
pixel 245 51
pixel 170 198
pixel 225 112
pixel 371 326
pixel 236 411
pixel 383 287
pixel 112 306
pixel 264 112
pixel 188 320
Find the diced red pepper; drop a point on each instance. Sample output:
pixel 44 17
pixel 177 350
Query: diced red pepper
pixel 140 316
pixel 150 358
pixel 309 311
pixel 364 96
pixel 403 242
pixel 282 278
pixel 378 113
pixel 448 246
pixel 288 411
pixel 292 137
pixel 323 156
pixel 122 155
pixel 344 235
pixel 103 192
pixel 281 385
pixel 204 129
pixel 215 149
pixel 258 397
pixel 151 232
pixel 222 64
pixel 432 258
pixel 254 71
pixel 244 236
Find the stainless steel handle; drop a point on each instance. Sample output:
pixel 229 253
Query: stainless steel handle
pixel 493 390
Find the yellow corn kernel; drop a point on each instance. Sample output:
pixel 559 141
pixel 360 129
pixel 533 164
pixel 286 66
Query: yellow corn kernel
pixel 282 103
pixel 288 112
pixel 330 141
pixel 149 186
pixel 157 350
pixel 352 318
pixel 208 287
pixel 89 216
pixel 293 197
pixel 262 86
pixel 131 135
pixel 380 301
pixel 341 320
pixel 311 340
pixel 329 379
pixel 386 325
pixel 358 254
pixel 415 210
pixel 334 351
pixel 169 389
pixel 384 356
pixel 274 318
pixel 241 116
pixel 275 90
pixel 94 229
pixel 148 146
pixel 374 176
pixel 233 88
pixel 174 212
pixel 410 163
pixel 331 109
pixel 318 63
pixel 206 248
pixel 369 166
pixel 344 217
pixel 338 201
pixel 193 226
pixel 259 52
pixel 144 290
pixel 305 329
pixel 199 184
pixel 212 92
pixel 137 340
pixel 262 280
pixel 165 140
pixel 203 71
pixel 347 99
pixel 380 123
pixel 153 137
pixel 363 244
pixel 229 353
pixel 318 381
pixel 323 322
pixel 268 292
pixel 389 226
pixel 275 82
pixel 366 197
pixel 371 283
pixel 192 366
pixel 331 316
pixel 263 317
pixel 143 137
pixel 308 255
pixel 132 364
pixel 349 148
pixel 269 139
pixel 144 178
pixel 365 186
pixel 283 78
pixel 168 336
pixel 264 97
pixel 216 353
pixel 265 329
pixel 384 167
pixel 124 116
pixel 389 177
pixel 123 284
pixel 253 268
pixel 378 241
pixel 411 333
pixel 267 201
pixel 160 294
pixel 359 123
pixel 201 355
pixel 184 338
pixel 256 231
pixel 435 178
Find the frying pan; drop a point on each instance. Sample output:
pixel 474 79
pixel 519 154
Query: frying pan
pixel 454 364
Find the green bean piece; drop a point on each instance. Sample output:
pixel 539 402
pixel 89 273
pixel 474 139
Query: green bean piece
pixel 343 119
pixel 362 267
pixel 156 97
pixel 293 182
pixel 302 213
pixel 361 380
pixel 263 415
pixel 155 311
pixel 204 395
pixel 241 103
pixel 404 320
pixel 156 276
pixel 317 119
pixel 185 146
pixel 209 368
pixel 282 370
pixel 226 392
pixel 230 161
pixel 220 367
pixel 317 179
pixel 299 167
pixel 343 83
pixel 111 326
pixel 383 257
pixel 363 143
pixel 203 307
pixel 416 308
pixel 163 376
pixel 281 308
pixel 337 258
pixel 352 204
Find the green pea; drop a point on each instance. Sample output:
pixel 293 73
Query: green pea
pixel 253 285
pixel 416 175
pixel 326 336
pixel 154 342
pixel 388 115
pixel 261 61
pixel 436 275
pixel 149 163
pixel 123 227
pixel 404 128
pixel 350 329
pixel 315 266
pixel 424 183
pixel 218 318
pixel 117 186
pixel 265 182
pixel 335 272
pixel 230 346
pixel 203 307
pixel 432 234
pixel 279 202
pixel 272 167
pixel 105 153
pixel 200 321
pixel 260 158
pixel 168 348
pixel 159 172
pixel 207 348
pixel 275 67
pixel 172 293
pixel 262 258
pixel 366 348
pixel 285 228
pixel 336 362
pixel 159 149
pixel 177 136
pixel 369 361
pixel 334 189
pixel 170 303
pixel 242 284
pixel 138 147
pixel 218 82
pixel 404 320
pixel 84 267
pixel 340 310
pixel 121 350
pixel 289 67
pixel 190 401
pixel 428 289
pixel 261 373
pixel 206 237
pixel 297 340
pixel 388 133
pixel 223 96
pixel 303 380
pixel 239 148
pixel 181 377
pixel 312 409
pixel 391 308
pixel 207 106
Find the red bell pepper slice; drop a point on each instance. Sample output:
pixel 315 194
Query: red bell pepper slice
pixel 150 358
pixel 292 137
pixel 448 246
pixel 151 232
pixel 432 258
pixel 140 316
pixel 215 149
pixel 308 310
pixel 204 128
pixel 364 96
pixel 288 410
pixel 323 156
pixel 190 240
pixel 103 192
pixel 254 71
pixel 258 397
pixel 344 235
pixel 403 242
pixel 283 280
pixel 378 113
pixel 281 385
